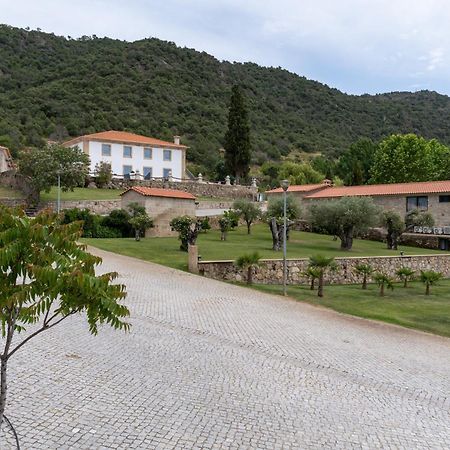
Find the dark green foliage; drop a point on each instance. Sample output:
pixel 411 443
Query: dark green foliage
pixel 249 211
pixel 237 138
pixel 103 174
pixel 188 229
pixel 429 278
pixel 205 224
pixel 249 261
pixel 365 270
pixel 354 165
pixel 51 86
pixel 119 219
pixel 395 226
pixel 229 221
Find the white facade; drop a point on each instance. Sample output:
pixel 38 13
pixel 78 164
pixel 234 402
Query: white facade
pixel 5 159
pixel 120 164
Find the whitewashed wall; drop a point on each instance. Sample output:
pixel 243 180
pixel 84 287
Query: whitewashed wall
pixel 137 161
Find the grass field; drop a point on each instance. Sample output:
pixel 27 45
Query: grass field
pixel 82 194
pixel 408 307
pixel 301 245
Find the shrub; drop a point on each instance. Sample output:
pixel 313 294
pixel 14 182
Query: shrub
pixel 405 274
pixel 416 218
pixel 119 219
pixel 383 281
pixel 365 270
pixel 249 261
pixel 429 277
pixel 321 264
pixel 103 174
pixel 188 229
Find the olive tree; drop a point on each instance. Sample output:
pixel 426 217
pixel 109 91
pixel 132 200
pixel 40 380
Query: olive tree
pixel 395 226
pixel 345 218
pixel 188 229
pixel 275 218
pixel 45 278
pixel 247 210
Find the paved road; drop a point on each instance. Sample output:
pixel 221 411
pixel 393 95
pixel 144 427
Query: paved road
pixel 213 366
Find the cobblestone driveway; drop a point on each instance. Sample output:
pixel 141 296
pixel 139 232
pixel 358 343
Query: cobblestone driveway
pixel 209 365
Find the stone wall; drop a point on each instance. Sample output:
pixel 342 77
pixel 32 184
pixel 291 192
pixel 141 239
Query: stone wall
pixel 102 207
pixel 271 270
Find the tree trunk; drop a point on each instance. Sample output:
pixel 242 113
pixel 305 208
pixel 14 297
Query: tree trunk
pixel 382 290
pixel 405 283
pixel 137 235
pixel 389 241
pixel 347 240
pixel 223 236
pixel 4 363
pixel 249 275
pixel 364 285
pixel 274 229
pixel 312 283
pixel 249 224
pixel 320 289
pixel 427 290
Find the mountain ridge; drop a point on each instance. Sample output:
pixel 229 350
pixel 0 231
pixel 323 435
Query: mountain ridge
pixel 56 87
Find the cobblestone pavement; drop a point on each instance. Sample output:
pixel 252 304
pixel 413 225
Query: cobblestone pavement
pixel 214 366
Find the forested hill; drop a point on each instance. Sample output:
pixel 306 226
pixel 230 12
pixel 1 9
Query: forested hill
pixel 52 87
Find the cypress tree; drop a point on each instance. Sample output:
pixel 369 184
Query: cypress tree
pixel 237 138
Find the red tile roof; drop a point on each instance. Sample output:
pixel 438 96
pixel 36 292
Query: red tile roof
pixel 158 192
pixel 125 137
pixel 300 188
pixel 426 187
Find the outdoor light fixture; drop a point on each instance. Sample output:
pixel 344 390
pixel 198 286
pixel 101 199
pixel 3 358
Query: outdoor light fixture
pixel 284 186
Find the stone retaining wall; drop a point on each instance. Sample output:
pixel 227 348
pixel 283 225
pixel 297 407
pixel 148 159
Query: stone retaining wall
pixel 102 207
pixel 271 270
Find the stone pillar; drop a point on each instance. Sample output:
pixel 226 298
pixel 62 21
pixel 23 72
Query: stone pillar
pixel 193 258
pixel 200 178
pixel 227 180
pixel 254 182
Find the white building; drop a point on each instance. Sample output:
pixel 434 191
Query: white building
pixel 133 154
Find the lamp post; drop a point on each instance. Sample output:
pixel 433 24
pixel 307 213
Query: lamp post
pixel 284 186
pixel 58 203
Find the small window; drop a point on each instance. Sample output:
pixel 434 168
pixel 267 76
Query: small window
pixel 420 203
pixel 127 151
pixel 127 171
pixel 106 149
pixel 167 173
pixel 147 173
pixel 444 199
pixel 147 153
pixel 167 155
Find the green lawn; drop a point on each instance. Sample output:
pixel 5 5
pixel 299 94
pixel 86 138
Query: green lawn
pixel 301 245
pixel 82 194
pixel 408 307
pixel 6 192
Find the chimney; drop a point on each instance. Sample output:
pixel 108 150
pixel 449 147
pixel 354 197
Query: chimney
pixel 176 140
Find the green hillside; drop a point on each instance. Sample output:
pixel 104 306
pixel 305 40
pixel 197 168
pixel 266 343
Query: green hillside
pixel 54 87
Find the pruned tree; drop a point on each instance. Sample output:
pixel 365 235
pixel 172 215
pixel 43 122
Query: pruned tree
pixel 275 218
pixel 395 226
pixel 229 221
pixel 42 166
pixel 429 278
pixel 405 274
pixel 188 229
pixel 45 278
pixel 249 262
pixel 237 138
pixel 383 281
pixel 140 223
pixel 247 210
pixel 322 264
pixel 365 270
pixel 103 174
pixel 346 218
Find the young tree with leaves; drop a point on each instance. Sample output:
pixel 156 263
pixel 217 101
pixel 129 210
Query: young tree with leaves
pixel 188 229
pixel 229 221
pixel 249 262
pixel 247 210
pixel 365 270
pixel 42 166
pixel 383 281
pixel 405 274
pixel 322 264
pixel 237 138
pixel 345 218
pixel 395 226
pixel 47 277
pixel 429 278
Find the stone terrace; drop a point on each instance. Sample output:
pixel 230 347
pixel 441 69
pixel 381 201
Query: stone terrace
pixel 215 366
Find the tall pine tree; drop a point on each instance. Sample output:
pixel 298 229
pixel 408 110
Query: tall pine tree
pixel 237 138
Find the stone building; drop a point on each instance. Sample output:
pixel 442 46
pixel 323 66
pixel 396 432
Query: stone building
pixel 6 162
pixel 162 205
pixel 430 196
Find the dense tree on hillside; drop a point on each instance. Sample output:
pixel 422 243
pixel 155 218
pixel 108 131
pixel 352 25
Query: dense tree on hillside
pixel 299 173
pixel 237 138
pixel 407 158
pixel 354 165
pixel 153 87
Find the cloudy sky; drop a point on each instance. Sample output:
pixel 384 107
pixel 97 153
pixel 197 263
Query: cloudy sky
pixel 357 46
